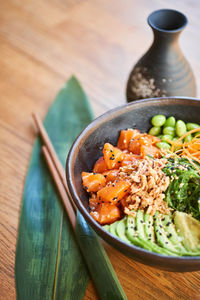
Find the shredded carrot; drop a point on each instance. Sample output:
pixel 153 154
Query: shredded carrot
pixel 190 150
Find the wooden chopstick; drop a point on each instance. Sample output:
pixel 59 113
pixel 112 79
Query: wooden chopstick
pixel 52 153
pixel 60 187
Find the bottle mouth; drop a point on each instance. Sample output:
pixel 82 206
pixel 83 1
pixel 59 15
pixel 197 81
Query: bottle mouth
pixel 167 20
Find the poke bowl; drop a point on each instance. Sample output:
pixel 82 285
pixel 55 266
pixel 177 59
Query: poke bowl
pixel 173 247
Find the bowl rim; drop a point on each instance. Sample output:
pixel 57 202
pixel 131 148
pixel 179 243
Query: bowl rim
pixel 108 115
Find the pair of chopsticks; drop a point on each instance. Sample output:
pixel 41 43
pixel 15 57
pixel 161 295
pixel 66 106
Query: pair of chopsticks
pixel 100 268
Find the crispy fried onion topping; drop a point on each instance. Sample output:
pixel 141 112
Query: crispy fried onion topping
pixel 148 184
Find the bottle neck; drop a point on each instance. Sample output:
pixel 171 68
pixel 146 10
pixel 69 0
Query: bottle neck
pixel 167 24
pixel 165 39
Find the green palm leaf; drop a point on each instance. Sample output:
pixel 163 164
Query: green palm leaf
pixel 48 263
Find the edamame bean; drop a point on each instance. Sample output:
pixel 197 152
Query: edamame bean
pixel 169 131
pixel 155 130
pixel 163 146
pixel 180 128
pixel 166 137
pixel 191 126
pixel 188 138
pixel 158 120
pixel 170 122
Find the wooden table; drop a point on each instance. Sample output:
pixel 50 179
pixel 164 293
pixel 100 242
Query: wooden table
pixel 41 44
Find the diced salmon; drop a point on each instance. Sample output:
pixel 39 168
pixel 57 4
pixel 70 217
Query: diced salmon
pixel 129 158
pixel 142 140
pixel 150 150
pixel 152 139
pixel 100 166
pixel 93 203
pixel 114 192
pixel 125 137
pixel 93 182
pixel 106 213
pixel 112 156
pixel 111 175
pixel 134 146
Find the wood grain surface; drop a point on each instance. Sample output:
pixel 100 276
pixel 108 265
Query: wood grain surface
pixel 44 42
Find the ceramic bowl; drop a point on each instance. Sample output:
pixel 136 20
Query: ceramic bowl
pixel 88 146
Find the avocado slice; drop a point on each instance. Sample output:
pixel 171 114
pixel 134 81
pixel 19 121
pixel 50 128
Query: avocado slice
pixel 139 232
pixel 132 233
pixel 161 235
pixel 113 228
pixel 188 229
pixel 149 228
pixel 120 229
pixel 150 236
pixel 106 227
pixel 172 235
pixel 140 224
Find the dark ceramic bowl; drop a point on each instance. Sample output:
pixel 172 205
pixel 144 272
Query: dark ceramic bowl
pixel 88 147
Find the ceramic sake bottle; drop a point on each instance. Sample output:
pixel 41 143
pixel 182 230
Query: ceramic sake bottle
pixel 163 70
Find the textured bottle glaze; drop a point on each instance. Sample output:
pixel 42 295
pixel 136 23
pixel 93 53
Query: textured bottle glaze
pixel 163 70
